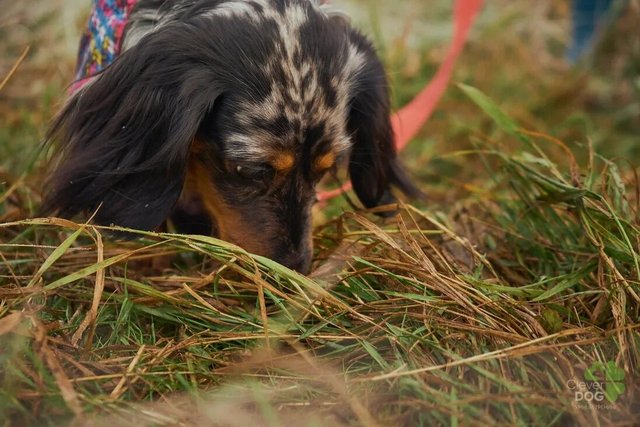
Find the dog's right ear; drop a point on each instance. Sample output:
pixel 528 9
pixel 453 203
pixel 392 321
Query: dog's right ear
pixel 374 166
pixel 121 144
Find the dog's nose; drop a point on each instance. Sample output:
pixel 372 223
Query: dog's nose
pixel 302 265
pixel 298 262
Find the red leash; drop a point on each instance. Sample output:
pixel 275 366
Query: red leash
pixel 409 120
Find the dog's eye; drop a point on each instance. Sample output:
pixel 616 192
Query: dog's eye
pixel 258 173
pixel 323 164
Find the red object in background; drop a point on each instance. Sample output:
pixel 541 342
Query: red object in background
pixel 409 120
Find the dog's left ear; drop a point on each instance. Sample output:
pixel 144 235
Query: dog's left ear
pixel 123 141
pixel 374 167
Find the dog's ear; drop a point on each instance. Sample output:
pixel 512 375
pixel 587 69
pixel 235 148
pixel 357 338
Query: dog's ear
pixel 122 142
pixel 373 165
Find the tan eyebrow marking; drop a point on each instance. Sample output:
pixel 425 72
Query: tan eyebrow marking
pixel 324 162
pixel 283 161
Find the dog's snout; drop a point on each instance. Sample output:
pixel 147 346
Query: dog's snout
pixel 274 242
pixel 300 262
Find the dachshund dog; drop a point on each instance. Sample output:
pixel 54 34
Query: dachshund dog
pixel 224 115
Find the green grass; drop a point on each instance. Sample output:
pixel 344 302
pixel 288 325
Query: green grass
pixel 482 307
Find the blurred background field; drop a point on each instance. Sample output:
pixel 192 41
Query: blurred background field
pixel 477 307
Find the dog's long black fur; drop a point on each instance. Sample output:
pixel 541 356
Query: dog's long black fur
pixel 230 110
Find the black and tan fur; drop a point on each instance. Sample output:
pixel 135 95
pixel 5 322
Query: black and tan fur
pixel 237 109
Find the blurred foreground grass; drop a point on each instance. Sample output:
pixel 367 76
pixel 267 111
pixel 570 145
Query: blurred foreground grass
pixel 485 307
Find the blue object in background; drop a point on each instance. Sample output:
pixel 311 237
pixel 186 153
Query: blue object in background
pixel 589 17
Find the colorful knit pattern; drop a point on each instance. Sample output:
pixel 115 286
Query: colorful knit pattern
pixel 101 42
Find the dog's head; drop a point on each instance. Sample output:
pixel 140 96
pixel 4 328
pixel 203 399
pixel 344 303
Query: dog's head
pixel 244 105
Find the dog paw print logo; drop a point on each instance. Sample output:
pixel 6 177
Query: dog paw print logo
pixel 610 375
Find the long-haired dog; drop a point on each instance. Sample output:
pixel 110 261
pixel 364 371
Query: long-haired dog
pixel 225 114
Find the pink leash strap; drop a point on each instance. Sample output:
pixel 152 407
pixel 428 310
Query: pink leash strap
pixel 409 120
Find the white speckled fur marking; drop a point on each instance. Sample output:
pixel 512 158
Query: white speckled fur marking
pixel 301 98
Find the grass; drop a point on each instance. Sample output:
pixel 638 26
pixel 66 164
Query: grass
pixel 488 306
